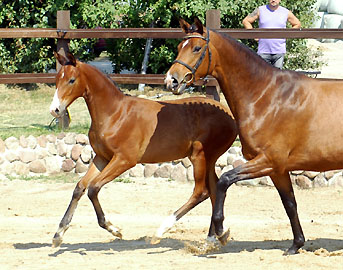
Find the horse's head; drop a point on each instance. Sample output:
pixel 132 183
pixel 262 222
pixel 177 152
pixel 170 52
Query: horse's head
pixel 68 84
pixel 194 57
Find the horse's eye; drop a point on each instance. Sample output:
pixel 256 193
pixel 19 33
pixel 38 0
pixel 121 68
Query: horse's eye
pixel 71 81
pixel 196 49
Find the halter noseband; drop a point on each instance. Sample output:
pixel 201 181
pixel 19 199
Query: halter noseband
pixel 198 63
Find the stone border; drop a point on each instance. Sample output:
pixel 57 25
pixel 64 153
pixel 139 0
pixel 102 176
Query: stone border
pixel 70 152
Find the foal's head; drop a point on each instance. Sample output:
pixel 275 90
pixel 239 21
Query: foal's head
pixel 69 85
pixel 193 61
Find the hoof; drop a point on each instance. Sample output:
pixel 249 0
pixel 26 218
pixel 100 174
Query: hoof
pixel 290 251
pixel 56 241
pixel 155 240
pixel 117 234
pixel 223 239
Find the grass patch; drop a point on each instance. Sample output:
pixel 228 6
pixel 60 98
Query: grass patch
pixel 59 178
pixel 25 111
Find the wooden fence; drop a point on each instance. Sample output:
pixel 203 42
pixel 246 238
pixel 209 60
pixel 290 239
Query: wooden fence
pixel 63 34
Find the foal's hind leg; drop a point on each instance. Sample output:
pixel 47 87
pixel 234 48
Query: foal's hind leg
pixel 79 190
pixel 200 192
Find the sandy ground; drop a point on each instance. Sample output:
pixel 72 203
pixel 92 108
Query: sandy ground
pixel 260 230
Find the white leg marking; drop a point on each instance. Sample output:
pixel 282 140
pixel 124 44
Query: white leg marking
pixel 166 225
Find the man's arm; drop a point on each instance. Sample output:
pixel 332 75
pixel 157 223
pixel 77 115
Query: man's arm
pixel 293 20
pixel 250 19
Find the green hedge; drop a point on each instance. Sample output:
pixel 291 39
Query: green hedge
pixel 36 55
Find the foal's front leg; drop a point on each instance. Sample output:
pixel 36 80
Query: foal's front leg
pixel 115 167
pixel 79 190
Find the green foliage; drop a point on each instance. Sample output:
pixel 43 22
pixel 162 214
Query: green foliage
pixel 36 55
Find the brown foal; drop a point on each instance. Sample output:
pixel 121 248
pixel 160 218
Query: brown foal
pixel 127 130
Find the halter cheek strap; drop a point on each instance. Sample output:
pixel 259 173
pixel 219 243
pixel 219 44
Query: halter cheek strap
pixel 198 63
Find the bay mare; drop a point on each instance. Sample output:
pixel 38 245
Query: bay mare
pixel 127 130
pixel 286 121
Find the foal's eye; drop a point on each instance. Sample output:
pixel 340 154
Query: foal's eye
pixel 71 81
pixel 197 49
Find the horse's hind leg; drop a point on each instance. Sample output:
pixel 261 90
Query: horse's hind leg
pixel 77 194
pixel 200 192
pixel 284 186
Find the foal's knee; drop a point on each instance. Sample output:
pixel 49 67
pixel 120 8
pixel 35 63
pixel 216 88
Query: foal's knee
pixel 92 192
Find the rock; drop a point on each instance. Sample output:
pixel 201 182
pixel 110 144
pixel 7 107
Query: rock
pixel 163 171
pixel 61 148
pixel 2 146
pixel 149 170
pixel 61 136
pixel 311 174
pixel 222 161
pixel 51 147
pixel 76 152
pixel 179 173
pixel 137 171
pixel 190 173
pixel 12 143
pixel 21 168
pixel 53 164
pixel 80 167
pixel 320 181
pixel 86 153
pixel 51 138
pixel 238 162
pixel 329 174
pixel 303 182
pixel 336 181
pixel 68 165
pixel 37 166
pixel 186 162
pixel 82 139
pixel 31 142
pixel 42 141
pixel 70 138
pixel 27 156
pixel 266 181
pixel 11 156
pixel 23 141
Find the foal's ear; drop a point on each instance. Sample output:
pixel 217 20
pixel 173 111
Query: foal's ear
pixel 60 58
pixel 199 26
pixel 71 58
pixel 185 26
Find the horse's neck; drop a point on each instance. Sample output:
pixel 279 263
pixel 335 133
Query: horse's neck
pixel 102 97
pixel 242 76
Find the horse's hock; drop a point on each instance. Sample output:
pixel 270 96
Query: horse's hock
pixel 70 152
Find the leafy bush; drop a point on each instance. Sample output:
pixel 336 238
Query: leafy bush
pixel 36 55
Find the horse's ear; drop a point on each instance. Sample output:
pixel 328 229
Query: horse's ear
pixel 60 58
pixel 71 58
pixel 199 25
pixel 184 25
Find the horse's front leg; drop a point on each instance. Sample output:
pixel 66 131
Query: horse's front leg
pixel 252 169
pixel 79 190
pixel 284 186
pixel 115 167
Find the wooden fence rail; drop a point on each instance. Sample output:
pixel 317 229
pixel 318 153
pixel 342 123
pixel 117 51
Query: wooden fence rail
pixel 63 34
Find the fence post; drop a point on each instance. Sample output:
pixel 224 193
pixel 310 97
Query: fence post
pixel 63 23
pixel 213 22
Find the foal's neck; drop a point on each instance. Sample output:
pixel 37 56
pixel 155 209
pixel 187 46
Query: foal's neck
pixel 102 96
